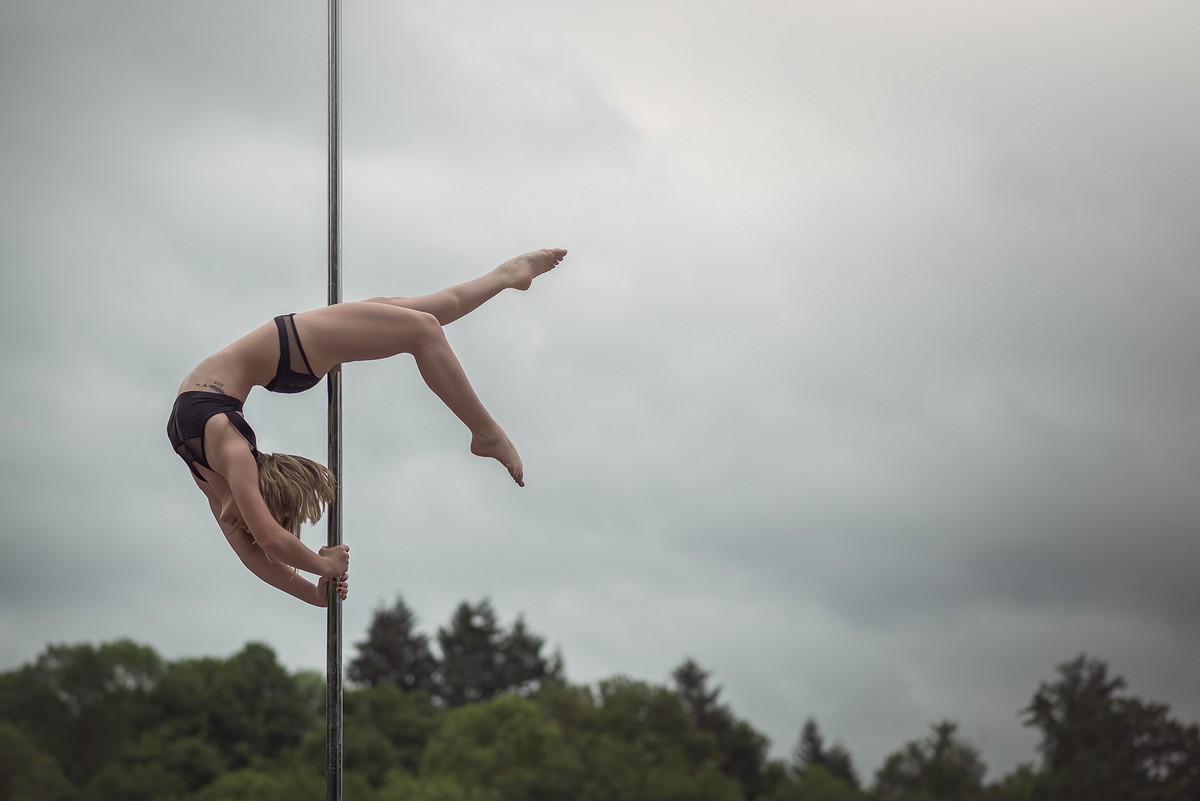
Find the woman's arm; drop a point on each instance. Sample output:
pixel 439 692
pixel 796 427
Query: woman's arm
pixel 232 459
pixel 276 574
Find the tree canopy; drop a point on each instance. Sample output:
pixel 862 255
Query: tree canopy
pixel 1099 742
pixel 811 753
pixel 480 713
pixel 394 652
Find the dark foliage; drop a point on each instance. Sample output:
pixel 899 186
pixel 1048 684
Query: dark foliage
pixel 811 752
pixel 1099 743
pixel 394 653
pixel 494 720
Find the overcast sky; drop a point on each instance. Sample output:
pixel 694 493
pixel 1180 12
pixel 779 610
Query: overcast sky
pixel 870 381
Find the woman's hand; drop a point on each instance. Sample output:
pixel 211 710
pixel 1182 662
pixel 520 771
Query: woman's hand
pixel 343 588
pixel 337 557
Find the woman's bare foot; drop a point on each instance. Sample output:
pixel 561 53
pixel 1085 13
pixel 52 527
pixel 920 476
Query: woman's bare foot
pixel 521 271
pixel 498 446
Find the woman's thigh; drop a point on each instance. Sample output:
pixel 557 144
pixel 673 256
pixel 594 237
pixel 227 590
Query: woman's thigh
pixel 360 331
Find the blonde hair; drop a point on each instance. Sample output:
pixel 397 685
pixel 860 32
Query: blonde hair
pixel 296 489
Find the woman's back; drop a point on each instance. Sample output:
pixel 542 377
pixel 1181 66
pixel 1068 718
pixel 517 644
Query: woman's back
pixel 239 367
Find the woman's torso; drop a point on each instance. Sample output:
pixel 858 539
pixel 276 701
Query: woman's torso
pixel 235 370
pixel 256 359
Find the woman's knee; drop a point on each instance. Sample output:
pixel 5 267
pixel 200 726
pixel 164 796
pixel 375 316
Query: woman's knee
pixel 421 328
pixel 428 323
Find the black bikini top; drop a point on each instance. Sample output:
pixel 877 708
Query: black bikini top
pixel 294 373
pixel 185 428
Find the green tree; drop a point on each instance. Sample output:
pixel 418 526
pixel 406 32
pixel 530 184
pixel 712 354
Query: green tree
pixel 480 660
pixel 256 784
pixel 83 704
pixel 811 752
pixel 691 684
pixel 526 669
pixel 1019 785
pixel 507 745
pixel 248 706
pixel 158 766
pixel 1098 743
pixel 26 772
pixel 941 766
pixel 472 659
pixel 637 743
pixel 816 784
pixel 401 786
pixel 386 729
pixel 652 718
pixel 742 750
pixel 394 652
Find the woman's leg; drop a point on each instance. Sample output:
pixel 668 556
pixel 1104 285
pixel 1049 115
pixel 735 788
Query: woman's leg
pixel 450 304
pixel 350 332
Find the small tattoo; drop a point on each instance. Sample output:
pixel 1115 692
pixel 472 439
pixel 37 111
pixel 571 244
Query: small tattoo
pixel 215 386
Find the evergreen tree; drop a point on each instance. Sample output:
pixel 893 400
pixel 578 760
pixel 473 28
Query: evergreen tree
pixel 742 749
pixel 394 653
pixel 811 751
pixel 525 669
pixel 840 765
pixel 691 684
pixel 1099 744
pixel 472 658
pixel 481 660
pixel 942 766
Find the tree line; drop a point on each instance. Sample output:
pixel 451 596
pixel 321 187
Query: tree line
pixel 487 715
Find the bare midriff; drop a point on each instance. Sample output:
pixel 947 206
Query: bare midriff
pixel 235 370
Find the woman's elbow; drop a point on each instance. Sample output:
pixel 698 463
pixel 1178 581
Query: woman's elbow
pixel 271 544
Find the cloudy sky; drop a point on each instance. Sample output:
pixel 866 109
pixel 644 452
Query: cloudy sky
pixel 870 381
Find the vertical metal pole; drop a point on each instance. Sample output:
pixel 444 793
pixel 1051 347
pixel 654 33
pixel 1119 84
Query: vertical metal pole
pixel 333 632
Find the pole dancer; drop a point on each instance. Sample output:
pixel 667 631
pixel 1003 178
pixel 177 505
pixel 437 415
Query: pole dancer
pixel 260 500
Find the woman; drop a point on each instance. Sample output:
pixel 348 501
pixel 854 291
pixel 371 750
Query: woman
pixel 260 500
